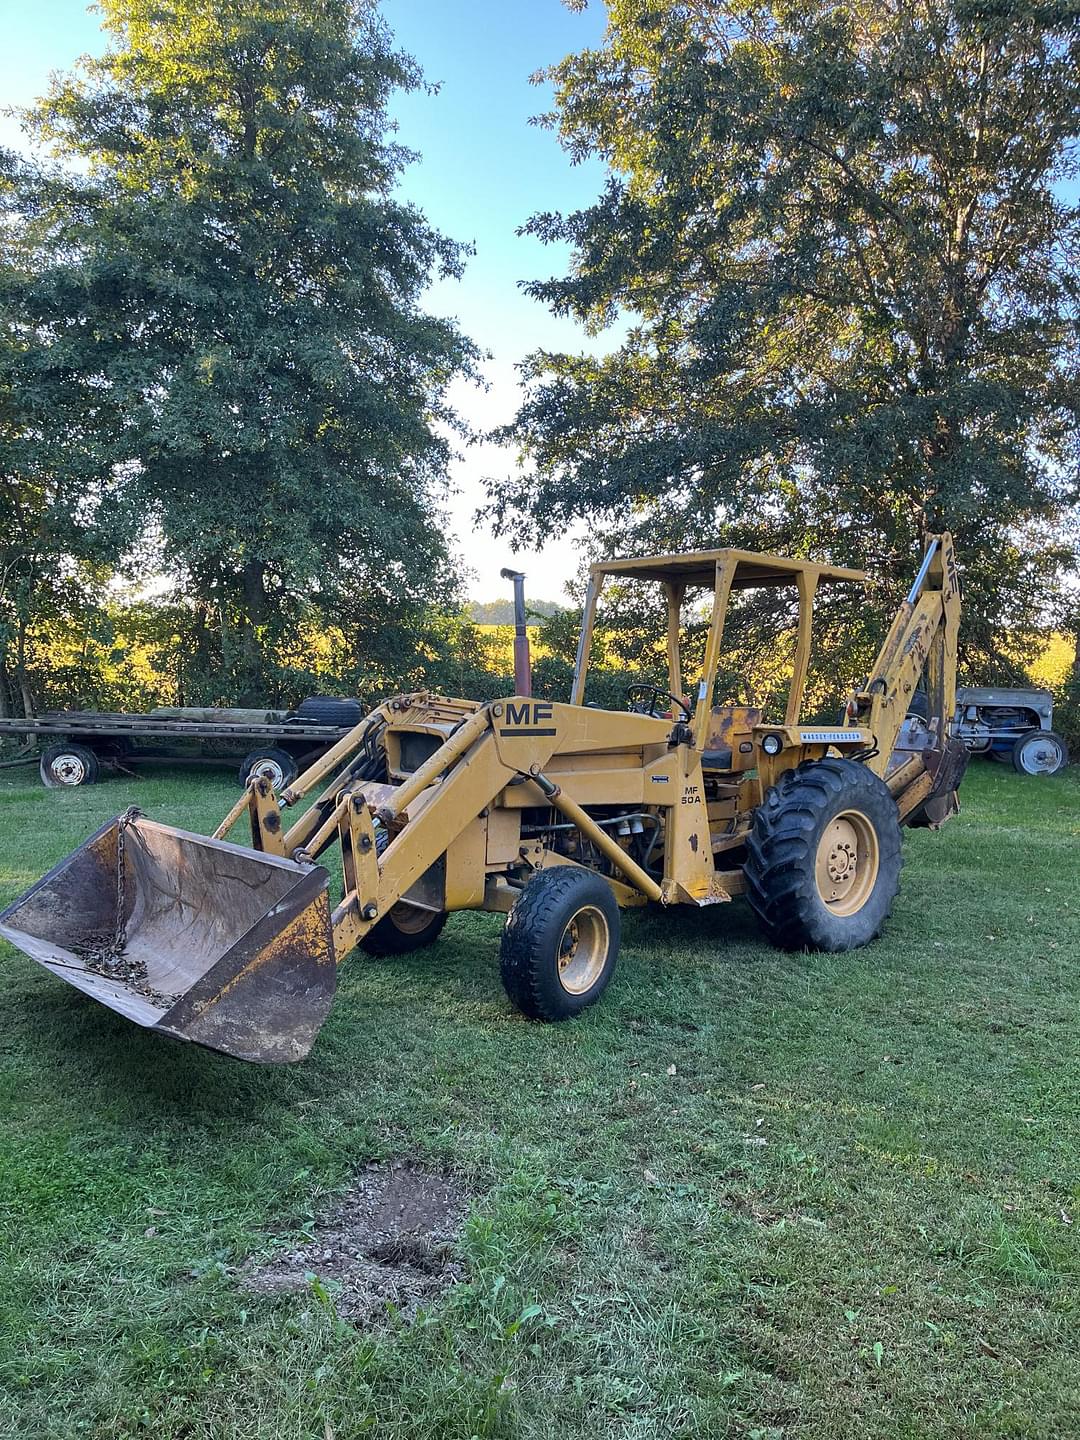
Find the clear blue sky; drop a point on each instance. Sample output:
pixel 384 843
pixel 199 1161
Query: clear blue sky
pixel 484 170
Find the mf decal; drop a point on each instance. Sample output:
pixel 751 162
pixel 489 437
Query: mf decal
pixel 528 717
pixel 691 795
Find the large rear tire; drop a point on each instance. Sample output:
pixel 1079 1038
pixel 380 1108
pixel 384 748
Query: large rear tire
pixel 824 857
pixel 560 943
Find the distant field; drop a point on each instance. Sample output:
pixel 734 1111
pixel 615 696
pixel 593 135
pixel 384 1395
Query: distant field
pixel 1050 668
pixel 751 1194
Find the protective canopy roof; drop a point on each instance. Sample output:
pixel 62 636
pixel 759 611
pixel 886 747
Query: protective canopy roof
pixel 698 569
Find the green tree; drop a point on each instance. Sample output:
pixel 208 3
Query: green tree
pixel 843 240
pixel 66 513
pixel 281 388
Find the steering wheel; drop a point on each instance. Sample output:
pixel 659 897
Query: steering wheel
pixel 640 707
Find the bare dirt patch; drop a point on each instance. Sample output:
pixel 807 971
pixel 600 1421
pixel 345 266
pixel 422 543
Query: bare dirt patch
pixel 389 1239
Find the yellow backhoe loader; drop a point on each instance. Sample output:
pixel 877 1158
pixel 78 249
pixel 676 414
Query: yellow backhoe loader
pixel 556 814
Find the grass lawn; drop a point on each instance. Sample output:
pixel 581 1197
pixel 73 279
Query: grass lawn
pixel 750 1194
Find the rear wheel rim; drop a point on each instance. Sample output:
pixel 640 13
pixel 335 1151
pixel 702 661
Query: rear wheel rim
pixel 847 862
pixel 68 769
pixel 583 950
pixel 1039 756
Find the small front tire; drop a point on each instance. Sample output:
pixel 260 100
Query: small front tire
pixel 66 765
pixel 560 943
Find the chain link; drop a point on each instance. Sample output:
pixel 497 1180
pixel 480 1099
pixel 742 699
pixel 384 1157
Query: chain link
pixel 106 956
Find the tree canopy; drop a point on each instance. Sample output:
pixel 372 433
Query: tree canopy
pixel 842 238
pixel 244 286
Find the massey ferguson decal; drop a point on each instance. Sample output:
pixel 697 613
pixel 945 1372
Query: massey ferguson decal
pixel 833 737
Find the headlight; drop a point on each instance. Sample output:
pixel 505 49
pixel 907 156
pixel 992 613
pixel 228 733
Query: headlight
pixel 772 744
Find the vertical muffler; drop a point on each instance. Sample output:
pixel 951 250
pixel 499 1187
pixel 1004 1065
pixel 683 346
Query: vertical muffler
pixel 198 938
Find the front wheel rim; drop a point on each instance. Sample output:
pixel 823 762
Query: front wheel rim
pixel 847 863
pixel 410 919
pixel 68 769
pixel 583 950
pixel 1039 757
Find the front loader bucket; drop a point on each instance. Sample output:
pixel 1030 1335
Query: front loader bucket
pixel 224 946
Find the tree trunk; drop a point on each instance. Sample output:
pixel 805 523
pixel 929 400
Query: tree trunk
pixel 255 612
pixel 21 677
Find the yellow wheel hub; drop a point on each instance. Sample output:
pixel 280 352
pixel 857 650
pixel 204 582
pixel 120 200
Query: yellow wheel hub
pixel 583 950
pixel 847 863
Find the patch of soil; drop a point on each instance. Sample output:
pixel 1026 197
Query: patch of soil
pixel 389 1238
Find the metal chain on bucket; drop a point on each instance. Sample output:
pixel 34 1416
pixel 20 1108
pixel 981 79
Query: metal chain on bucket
pixel 107 955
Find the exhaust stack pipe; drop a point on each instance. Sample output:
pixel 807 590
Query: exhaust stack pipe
pixel 522 662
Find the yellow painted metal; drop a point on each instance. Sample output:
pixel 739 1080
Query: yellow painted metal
pixel 583 950
pixel 674 593
pixel 503 832
pixel 807 582
pixel 359 864
pixel 847 862
pixel 330 762
pixel 626 895
pixel 267 833
pixel 898 780
pixel 239 807
pixel 723 578
pixel 434 821
pixel 688 862
pixel 588 622
pixel 914 793
pixel 466 867
pixel 695 569
pixel 466 732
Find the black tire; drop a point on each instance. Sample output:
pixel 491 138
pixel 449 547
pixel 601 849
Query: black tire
pixel 328 710
pixel 792 828
pixel 405 927
pixel 66 765
pixel 279 765
pixel 543 938
pixel 1040 752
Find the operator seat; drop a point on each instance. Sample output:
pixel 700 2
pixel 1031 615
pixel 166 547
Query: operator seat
pixel 729 725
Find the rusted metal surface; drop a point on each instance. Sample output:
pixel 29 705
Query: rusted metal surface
pixel 925 773
pixel 224 947
pixel 947 765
